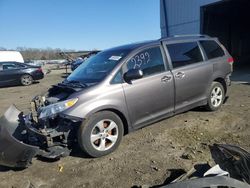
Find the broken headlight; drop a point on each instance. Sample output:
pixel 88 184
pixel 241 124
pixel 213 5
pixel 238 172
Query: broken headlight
pixel 56 108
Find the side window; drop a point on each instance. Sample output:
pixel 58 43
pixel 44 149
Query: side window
pixel 19 65
pixel 9 66
pixel 183 54
pixel 212 49
pixel 150 61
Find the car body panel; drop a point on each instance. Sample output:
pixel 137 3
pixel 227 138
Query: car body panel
pixel 149 98
pixel 13 152
pixel 98 98
pixel 189 89
pixel 217 181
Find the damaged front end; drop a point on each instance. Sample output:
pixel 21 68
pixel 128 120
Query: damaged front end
pixel 44 132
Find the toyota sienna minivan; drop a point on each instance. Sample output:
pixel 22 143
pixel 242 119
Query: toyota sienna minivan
pixel 115 92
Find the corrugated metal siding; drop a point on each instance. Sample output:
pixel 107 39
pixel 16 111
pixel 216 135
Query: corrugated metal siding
pixel 182 16
pixel 164 25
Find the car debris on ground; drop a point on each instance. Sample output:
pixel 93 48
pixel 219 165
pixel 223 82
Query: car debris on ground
pixel 232 169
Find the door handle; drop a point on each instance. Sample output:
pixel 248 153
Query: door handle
pixel 180 75
pixel 166 78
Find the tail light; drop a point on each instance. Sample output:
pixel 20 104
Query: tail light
pixel 230 60
pixel 40 69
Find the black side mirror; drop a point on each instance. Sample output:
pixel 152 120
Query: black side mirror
pixel 133 74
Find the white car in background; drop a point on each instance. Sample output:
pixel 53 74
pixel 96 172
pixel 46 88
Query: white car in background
pixel 13 56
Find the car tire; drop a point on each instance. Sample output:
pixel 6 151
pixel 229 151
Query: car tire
pixel 100 134
pixel 215 97
pixel 26 80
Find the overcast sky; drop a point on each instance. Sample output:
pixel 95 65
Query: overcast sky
pixel 77 24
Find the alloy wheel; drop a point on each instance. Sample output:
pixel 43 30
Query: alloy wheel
pixel 104 135
pixel 216 96
pixel 26 80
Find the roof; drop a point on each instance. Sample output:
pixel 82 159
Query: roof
pixel 186 37
pixel 136 45
pixel 133 46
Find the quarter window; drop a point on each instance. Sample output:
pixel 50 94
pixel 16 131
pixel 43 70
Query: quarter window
pixel 183 54
pixel 212 49
pixel 150 61
pixel 118 78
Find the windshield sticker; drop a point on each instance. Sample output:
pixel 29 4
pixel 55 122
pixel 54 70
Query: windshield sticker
pixel 115 58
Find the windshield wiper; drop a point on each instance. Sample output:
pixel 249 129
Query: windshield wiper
pixel 74 83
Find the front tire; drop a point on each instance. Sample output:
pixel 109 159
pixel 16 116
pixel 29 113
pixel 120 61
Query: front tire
pixel 216 96
pixel 26 80
pixel 100 134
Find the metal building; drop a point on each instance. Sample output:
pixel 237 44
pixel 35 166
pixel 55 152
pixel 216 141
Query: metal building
pixel 229 20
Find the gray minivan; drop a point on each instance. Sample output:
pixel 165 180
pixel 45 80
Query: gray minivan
pixel 117 91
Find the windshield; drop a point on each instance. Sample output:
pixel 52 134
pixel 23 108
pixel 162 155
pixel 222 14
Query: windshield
pixel 97 67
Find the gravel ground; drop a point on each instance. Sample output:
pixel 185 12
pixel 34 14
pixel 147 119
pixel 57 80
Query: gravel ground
pixel 145 157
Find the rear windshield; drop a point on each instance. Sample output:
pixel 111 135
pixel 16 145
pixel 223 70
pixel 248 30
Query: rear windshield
pixel 212 49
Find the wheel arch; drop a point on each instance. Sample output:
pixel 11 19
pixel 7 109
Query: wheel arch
pixel 223 83
pixel 26 73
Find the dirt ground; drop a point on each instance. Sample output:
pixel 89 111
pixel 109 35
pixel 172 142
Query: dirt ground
pixel 145 157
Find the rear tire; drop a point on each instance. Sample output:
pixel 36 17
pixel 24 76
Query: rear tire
pixel 100 134
pixel 26 80
pixel 215 97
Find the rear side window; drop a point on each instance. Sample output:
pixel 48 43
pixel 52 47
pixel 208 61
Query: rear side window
pixel 150 61
pixel 9 66
pixel 183 54
pixel 212 49
pixel 19 65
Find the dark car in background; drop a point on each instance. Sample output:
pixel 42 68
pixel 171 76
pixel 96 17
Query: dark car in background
pixel 76 63
pixel 14 73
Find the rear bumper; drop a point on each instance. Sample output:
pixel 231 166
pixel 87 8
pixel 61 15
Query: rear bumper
pixel 38 76
pixel 228 80
pixel 13 151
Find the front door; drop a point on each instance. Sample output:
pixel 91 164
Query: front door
pixel 152 96
pixel 8 73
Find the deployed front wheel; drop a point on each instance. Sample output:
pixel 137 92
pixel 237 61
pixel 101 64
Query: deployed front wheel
pixel 100 134
pixel 216 96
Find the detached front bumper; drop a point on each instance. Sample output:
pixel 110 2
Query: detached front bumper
pixel 22 138
pixel 13 151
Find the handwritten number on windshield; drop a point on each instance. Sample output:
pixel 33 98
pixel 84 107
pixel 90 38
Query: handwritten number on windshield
pixel 139 60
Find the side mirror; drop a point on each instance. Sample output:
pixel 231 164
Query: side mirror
pixel 133 74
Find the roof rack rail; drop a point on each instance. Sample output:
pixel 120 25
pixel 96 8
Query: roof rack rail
pixel 191 35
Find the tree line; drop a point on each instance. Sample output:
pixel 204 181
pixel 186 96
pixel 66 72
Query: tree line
pixel 39 53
